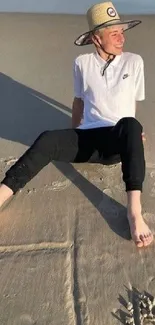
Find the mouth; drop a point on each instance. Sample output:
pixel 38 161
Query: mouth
pixel 119 47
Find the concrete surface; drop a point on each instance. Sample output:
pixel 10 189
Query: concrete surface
pixel 65 251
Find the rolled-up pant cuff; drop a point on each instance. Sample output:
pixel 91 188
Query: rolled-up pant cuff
pixel 11 184
pixel 134 187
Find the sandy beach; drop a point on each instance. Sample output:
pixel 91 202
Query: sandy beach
pixel 65 250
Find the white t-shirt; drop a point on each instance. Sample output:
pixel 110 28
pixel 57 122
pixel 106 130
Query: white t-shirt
pixel 113 96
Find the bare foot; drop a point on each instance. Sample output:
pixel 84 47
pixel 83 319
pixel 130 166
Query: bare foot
pixel 5 193
pixel 140 232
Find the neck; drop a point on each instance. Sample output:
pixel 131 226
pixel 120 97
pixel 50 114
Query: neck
pixel 104 55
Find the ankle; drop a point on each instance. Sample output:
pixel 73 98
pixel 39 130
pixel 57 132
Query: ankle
pixel 134 209
pixel 134 203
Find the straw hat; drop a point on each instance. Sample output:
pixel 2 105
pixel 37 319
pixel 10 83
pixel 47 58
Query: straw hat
pixel 103 15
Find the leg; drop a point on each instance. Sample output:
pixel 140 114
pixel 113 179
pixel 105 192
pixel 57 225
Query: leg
pixel 61 145
pixel 129 135
pixel 140 232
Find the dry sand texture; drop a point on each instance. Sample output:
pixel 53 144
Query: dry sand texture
pixel 65 250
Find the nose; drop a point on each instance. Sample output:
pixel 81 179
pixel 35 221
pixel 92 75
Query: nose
pixel 121 38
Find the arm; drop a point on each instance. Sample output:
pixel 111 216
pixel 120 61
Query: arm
pixel 78 104
pixel 139 81
pixel 77 112
pixel 140 87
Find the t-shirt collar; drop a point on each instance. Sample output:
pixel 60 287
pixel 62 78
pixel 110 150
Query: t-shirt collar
pixel 101 62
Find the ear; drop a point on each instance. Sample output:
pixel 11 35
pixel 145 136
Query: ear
pixel 96 39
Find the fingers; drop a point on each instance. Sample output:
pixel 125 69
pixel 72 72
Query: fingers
pixel 143 137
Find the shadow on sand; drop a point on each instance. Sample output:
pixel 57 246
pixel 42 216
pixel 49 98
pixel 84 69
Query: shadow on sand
pixel 25 113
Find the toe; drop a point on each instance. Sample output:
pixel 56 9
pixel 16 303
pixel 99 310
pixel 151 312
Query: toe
pixel 138 242
pixel 147 239
pixel 150 238
pixel 147 242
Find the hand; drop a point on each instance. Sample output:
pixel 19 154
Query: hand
pixel 143 137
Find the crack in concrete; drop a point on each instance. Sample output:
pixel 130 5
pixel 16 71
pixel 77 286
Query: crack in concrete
pixel 76 292
pixel 69 285
pixel 36 247
pixel 80 306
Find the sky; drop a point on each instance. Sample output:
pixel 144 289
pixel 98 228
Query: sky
pixel 74 6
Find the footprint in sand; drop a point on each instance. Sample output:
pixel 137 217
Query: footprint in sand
pixel 59 186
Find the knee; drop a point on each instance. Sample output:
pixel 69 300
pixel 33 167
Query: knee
pixel 44 135
pixel 43 138
pixel 131 124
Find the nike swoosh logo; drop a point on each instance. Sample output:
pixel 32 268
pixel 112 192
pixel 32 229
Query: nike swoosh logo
pixel 125 76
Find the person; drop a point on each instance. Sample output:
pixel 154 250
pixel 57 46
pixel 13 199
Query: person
pixel 108 82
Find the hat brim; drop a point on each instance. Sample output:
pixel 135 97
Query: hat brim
pixel 85 38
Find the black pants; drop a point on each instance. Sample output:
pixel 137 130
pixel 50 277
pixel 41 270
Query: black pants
pixel 76 145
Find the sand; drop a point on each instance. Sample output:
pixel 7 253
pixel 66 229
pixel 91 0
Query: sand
pixel 65 250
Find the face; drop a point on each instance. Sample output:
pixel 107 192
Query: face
pixel 112 39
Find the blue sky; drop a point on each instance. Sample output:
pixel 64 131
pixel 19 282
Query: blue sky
pixel 75 6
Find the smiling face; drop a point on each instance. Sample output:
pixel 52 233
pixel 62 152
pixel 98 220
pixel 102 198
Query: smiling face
pixel 111 39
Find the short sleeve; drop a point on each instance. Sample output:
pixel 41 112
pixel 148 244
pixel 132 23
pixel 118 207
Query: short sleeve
pixel 78 83
pixel 139 81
